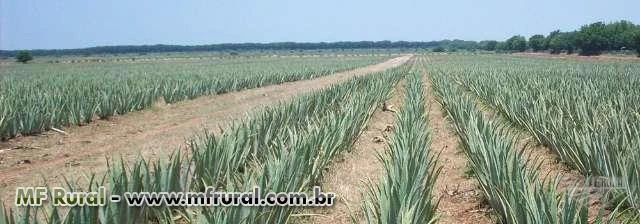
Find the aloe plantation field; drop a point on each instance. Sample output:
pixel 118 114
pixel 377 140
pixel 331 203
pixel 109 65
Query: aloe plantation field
pixel 423 138
pixel 37 97
pixel 586 113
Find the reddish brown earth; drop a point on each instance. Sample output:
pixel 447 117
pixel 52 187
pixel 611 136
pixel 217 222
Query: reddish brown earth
pixel 32 160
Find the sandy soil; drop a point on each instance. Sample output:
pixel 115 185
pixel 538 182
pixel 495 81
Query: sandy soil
pixel 349 174
pixel 32 160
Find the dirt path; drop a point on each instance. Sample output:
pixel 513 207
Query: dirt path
pixel 349 175
pixel 460 198
pixel 25 161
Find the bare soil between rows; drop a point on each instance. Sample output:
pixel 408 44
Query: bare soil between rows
pixel 151 133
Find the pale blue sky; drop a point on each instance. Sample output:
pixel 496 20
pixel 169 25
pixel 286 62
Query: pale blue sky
pixel 46 24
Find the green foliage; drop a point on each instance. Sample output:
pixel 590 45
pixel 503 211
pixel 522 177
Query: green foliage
pixel 37 97
pixel 592 39
pixel 510 186
pixel 295 159
pixel 490 45
pixel 284 148
pixel 636 41
pixel 589 121
pixel 502 46
pixel 595 38
pixel 619 35
pixel 24 56
pixel 405 191
pixel 438 49
pixel 280 47
pixel 143 176
pixel 516 43
pixel 561 41
pixel 537 42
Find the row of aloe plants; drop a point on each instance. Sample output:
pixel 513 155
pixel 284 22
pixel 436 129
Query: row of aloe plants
pixel 405 191
pixel 586 112
pixel 37 97
pixel 296 158
pixel 517 194
pixel 283 148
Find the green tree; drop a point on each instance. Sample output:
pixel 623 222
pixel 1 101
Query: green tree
pixel 551 35
pixel 438 49
pixel 517 43
pixel 636 41
pixel 502 46
pixel 537 42
pixel 592 39
pixel 489 45
pixel 561 41
pixel 619 35
pixel 23 56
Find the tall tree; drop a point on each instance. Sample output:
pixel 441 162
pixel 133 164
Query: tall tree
pixel 619 35
pixel 502 46
pixel 636 41
pixel 592 39
pixel 517 43
pixel 537 42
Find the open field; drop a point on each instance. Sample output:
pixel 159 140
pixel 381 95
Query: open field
pixel 436 138
pixel 154 132
pixel 39 97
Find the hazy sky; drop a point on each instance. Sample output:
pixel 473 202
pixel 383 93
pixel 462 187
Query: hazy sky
pixel 46 24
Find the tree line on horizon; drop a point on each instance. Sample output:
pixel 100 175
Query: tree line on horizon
pixel 591 39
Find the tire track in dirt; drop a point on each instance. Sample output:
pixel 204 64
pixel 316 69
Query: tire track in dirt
pixel 33 160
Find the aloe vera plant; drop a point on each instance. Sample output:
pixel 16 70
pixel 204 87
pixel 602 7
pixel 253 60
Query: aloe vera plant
pixel 405 191
pixel 295 160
